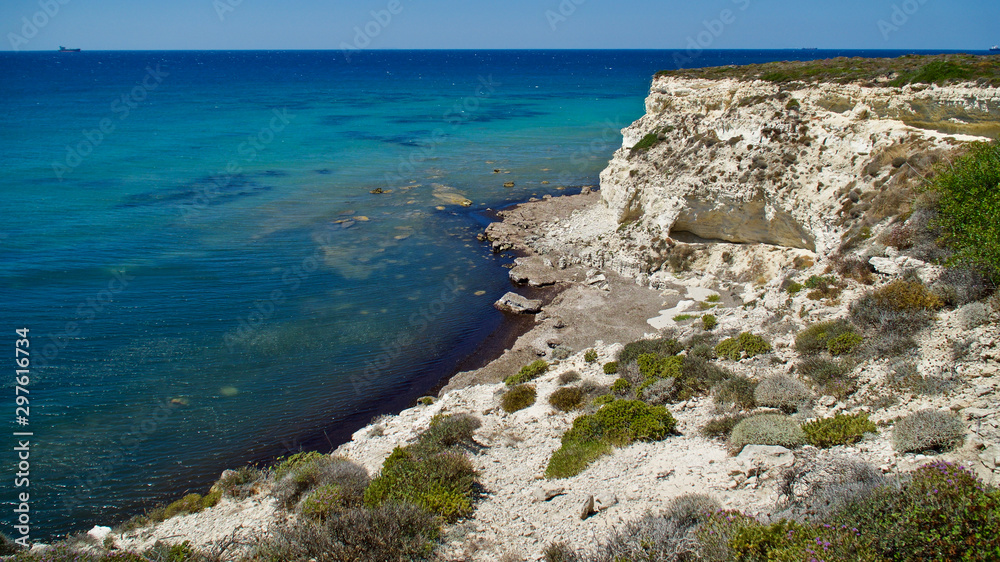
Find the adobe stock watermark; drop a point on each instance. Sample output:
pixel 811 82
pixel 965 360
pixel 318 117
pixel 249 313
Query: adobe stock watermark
pixel 263 310
pixel 461 112
pixel 224 7
pixel 249 150
pixel 901 14
pixel 32 26
pixel 563 12
pixel 121 107
pixel 119 450
pixel 365 34
pixel 601 146
pixel 418 323
pixel 714 28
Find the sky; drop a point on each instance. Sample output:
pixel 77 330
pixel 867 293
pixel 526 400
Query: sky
pixel 500 24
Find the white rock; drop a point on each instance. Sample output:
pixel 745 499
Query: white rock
pixel 98 533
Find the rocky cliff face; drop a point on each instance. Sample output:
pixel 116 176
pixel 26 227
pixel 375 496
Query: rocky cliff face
pixel 755 162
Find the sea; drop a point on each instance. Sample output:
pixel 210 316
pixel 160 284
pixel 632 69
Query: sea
pixel 223 257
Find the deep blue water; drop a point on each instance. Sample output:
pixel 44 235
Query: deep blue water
pixel 191 239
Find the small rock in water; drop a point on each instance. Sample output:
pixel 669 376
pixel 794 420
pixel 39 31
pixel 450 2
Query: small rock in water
pixel 508 184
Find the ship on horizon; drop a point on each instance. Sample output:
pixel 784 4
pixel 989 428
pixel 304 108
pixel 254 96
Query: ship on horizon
pixel 995 49
pixel 66 50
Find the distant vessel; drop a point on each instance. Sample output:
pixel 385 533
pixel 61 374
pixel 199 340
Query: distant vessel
pixel 810 48
pixel 65 50
pixel 995 49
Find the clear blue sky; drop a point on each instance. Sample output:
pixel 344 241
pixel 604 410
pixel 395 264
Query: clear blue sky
pixel 422 24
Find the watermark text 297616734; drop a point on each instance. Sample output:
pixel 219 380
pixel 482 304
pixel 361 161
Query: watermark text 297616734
pixel 22 411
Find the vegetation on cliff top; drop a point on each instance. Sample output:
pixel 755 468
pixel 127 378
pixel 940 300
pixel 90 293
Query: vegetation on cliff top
pixel 910 69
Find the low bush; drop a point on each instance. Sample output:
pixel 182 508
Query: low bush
pixel 709 322
pixel 844 344
pixel 747 343
pixel 387 532
pixel 683 317
pixel 191 503
pixel 928 430
pixel 668 536
pixel 442 483
pixel 721 427
pixel 793 288
pixel 958 286
pixel 590 356
pixel 518 398
pixel 572 458
pixel 569 377
pixel 662 347
pixel 830 378
pixel 821 287
pixel 838 430
pixel 730 535
pixel 316 471
pixel 621 387
pixel 240 483
pixel 854 268
pixel 616 424
pixel 892 314
pixel 906 376
pixel 907 295
pixel 288 465
pixel 528 373
pixel 659 393
pixel 941 512
pixel 816 338
pixel 766 429
pixel 611 368
pixel 567 399
pixel 968 204
pixel 325 501
pixel 736 392
pixel 783 392
pixel 447 431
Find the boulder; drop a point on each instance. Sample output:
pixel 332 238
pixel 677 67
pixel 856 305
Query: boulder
pixel 99 533
pixel 546 493
pixel 516 304
pixel 587 509
pixel 605 500
pixel 766 456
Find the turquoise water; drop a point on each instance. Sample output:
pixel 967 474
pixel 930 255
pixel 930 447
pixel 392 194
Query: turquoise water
pixel 191 239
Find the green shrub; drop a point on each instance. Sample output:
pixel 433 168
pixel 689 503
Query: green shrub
pixel 928 430
pixel 240 483
pixel 661 347
pixel 713 298
pixel 315 471
pixel 567 399
pixel 709 322
pixel 611 368
pixel 292 463
pixel 645 143
pixel 191 503
pixel 323 502
pixel 618 423
pixel 734 348
pixel 722 427
pixel 528 373
pixel 442 483
pixel 907 295
pixel 783 392
pixel 683 317
pixel 621 387
pixel 569 377
pixel 590 356
pixel 518 398
pixel 942 512
pixel 574 457
pixel 793 288
pixel 622 422
pixel 831 378
pixel 661 392
pixel 766 429
pixel 603 400
pixel 838 430
pixel 730 535
pixel 816 337
pixel 968 207
pixel 844 344
pixel 425 400
pixel 703 351
pixel 737 392
pixel 447 431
